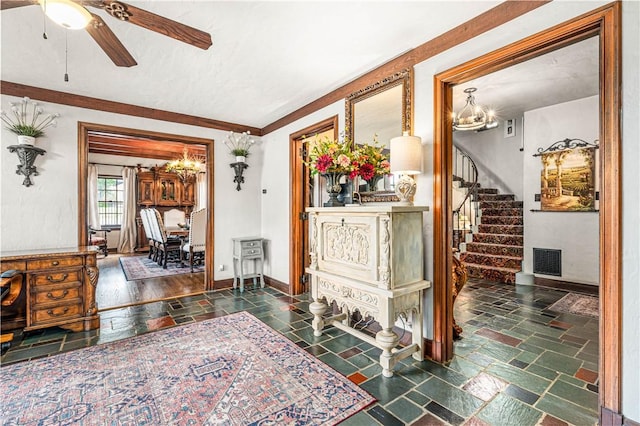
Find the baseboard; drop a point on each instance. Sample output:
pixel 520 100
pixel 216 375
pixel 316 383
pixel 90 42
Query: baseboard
pixel 609 418
pixel 278 285
pixel 629 422
pixel 222 284
pixel 271 282
pixel 567 285
pixel 428 348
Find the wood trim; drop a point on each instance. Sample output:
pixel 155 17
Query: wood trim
pixel 86 102
pixel 605 22
pixel 567 286
pixel 609 418
pixel 502 13
pixel 83 161
pixel 627 422
pixel 227 283
pixel 297 203
pixel 278 285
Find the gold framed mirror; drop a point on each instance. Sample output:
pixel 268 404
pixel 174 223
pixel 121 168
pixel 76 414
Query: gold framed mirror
pixel 382 110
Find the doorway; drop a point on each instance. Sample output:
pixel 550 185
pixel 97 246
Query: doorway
pixel 302 196
pixel 84 129
pixel 604 23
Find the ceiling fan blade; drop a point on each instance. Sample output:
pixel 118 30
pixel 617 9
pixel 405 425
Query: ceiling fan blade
pixel 10 4
pixel 108 41
pixel 156 23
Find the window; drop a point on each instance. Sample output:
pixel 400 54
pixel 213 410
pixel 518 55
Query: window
pixel 110 200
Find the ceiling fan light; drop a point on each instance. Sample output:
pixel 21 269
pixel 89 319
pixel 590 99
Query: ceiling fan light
pixel 67 13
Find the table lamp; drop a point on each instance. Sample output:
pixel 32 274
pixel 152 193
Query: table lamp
pixel 406 160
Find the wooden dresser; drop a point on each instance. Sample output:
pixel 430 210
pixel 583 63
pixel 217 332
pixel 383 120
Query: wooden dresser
pixel 60 286
pixel 369 259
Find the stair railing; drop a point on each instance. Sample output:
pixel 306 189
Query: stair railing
pixel 464 215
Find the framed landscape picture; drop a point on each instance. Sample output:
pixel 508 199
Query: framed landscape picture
pixel 567 180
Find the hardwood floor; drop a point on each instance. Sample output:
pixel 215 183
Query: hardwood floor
pixel 114 291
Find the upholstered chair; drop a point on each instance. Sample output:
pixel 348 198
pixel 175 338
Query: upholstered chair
pixel 194 248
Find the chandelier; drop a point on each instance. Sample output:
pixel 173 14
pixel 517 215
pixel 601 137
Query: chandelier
pixel 472 116
pixel 185 167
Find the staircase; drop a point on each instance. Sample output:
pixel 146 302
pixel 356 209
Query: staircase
pixel 495 251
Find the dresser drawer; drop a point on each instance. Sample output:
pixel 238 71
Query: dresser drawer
pixel 248 253
pixel 58 262
pixel 56 294
pixel 251 244
pixel 56 313
pixel 55 277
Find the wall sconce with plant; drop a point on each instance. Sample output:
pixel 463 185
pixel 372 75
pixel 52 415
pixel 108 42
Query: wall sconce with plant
pixel 28 130
pixel 239 145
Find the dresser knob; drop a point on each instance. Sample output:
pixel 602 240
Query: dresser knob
pixel 64 294
pixel 53 280
pixel 55 263
pixel 52 314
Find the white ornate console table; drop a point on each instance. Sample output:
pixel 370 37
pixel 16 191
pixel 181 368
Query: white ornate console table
pixel 369 259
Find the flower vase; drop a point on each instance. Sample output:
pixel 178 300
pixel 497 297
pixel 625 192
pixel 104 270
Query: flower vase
pixel 26 140
pixel 372 183
pixel 333 188
pixel 241 159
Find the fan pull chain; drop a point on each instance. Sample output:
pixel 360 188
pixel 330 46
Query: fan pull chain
pixel 66 55
pixel 44 21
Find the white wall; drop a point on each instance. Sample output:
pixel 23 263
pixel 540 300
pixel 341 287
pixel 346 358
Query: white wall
pixel 276 180
pixel 575 233
pixel 45 214
pixel 498 159
pixel 630 207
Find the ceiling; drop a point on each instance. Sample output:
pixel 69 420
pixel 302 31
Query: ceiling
pixel 268 58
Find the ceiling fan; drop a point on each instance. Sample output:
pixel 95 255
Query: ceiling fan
pixel 106 39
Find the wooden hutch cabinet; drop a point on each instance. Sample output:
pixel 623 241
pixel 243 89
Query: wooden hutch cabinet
pixel 163 191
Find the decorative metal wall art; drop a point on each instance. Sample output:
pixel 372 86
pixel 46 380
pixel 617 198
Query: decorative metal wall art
pixel 27 155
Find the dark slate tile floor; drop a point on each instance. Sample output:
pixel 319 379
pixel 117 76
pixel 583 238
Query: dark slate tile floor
pixel 518 363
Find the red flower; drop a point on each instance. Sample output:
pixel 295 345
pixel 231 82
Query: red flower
pixel 354 172
pixel 324 162
pixel 367 171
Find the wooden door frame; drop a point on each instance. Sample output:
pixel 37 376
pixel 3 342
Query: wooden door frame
pixel 604 22
pixel 296 167
pixel 83 161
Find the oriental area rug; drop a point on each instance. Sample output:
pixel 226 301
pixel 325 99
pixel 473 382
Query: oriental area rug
pixel 232 370
pixel 577 304
pixel 141 267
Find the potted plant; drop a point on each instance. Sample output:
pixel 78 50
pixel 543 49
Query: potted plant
pixel 18 122
pixel 239 145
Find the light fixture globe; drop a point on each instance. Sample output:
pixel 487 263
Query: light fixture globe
pixel 473 116
pixel 66 13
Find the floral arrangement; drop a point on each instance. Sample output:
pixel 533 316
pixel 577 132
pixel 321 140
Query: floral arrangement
pixel 333 156
pixel 18 122
pixel 327 155
pixel 239 145
pixel 370 161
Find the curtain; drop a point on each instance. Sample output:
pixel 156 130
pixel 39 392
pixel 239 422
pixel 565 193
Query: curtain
pixel 201 191
pixel 127 241
pixel 93 219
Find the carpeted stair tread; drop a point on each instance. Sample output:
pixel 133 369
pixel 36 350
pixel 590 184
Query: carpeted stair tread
pixel 492 273
pixel 514 211
pixel 500 249
pixel 503 239
pixel 494 197
pixel 496 260
pixel 487 191
pixel 501 229
pixel 500 204
pixel 500 220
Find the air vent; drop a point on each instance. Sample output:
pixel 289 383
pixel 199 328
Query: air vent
pixel 547 261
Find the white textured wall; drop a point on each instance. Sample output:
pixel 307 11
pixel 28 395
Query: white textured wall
pixel 276 227
pixel 498 159
pixel 45 214
pixel 576 234
pixel 630 210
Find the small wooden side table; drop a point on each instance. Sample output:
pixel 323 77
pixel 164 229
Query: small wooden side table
pixel 248 248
